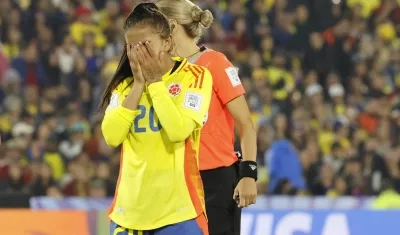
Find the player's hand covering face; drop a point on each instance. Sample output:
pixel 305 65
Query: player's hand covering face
pixel 134 64
pixel 148 48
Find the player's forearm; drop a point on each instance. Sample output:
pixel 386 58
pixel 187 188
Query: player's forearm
pixel 248 141
pixel 116 125
pixel 177 126
pixel 132 100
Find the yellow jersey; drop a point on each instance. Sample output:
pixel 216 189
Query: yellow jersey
pixel 159 181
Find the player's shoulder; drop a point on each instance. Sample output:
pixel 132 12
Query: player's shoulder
pixel 124 85
pixel 188 66
pixel 190 70
pixel 190 76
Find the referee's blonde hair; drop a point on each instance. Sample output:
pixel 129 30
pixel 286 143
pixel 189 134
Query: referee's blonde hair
pixel 187 14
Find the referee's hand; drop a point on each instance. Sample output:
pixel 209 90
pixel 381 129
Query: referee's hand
pixel 245 192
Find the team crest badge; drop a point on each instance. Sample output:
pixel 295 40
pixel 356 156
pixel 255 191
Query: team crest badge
pixel 174 89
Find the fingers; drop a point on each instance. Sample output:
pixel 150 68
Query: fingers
pixel 132 57
pixel 143 54
pixel 129 51
pixel 254 199
pixel 139 54
pixel 150 49
pixel 239 198
pixel 134 63
pixel 236 194
pixel 244 199
pixel 241 202
pixel 151 52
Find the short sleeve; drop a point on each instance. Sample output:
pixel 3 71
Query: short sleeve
pixel 196 99
pixel 227 83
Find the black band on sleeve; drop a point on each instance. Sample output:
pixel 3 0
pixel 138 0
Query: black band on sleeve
pixel 248 169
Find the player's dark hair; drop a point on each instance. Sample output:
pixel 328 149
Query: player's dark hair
pixel 144 14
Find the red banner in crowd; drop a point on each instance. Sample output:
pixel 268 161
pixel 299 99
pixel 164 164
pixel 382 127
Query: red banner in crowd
pixel 28 222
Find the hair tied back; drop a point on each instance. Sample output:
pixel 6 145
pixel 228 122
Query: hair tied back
pixel 141 10
pixel 147 7
pixel 205 18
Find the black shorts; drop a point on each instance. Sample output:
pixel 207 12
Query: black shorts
pixel 222 211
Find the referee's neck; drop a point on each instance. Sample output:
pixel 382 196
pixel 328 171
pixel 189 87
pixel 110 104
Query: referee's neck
pixel 186 46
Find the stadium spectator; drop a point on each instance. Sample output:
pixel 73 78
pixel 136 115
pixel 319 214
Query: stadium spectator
pixel 284 166
pixel 43 181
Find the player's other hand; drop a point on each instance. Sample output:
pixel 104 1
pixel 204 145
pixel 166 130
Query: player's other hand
pixel 134 63
pixel 151 63
pixel 245 192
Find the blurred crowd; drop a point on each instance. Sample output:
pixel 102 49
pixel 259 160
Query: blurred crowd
pixel 322 80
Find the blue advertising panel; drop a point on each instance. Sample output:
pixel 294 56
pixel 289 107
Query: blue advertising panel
pixel 320 222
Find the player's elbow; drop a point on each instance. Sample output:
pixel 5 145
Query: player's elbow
pixel 112 141
pixel 111 135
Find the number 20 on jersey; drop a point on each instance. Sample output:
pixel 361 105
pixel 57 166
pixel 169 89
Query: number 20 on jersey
pixel 146 114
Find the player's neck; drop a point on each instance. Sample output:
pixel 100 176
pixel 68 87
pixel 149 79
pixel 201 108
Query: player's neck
pixel 168 63
pixel 187 47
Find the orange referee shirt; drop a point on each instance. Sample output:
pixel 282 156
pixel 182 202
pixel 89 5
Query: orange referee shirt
pixel 217 136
